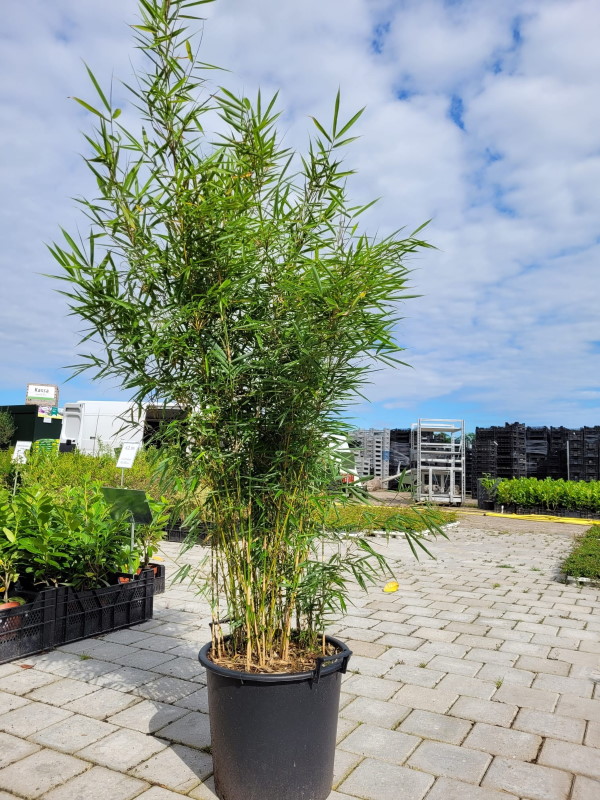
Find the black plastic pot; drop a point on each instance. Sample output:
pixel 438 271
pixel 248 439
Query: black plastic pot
pixel 273 736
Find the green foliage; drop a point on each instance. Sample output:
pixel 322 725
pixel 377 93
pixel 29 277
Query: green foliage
pixel 7 428
pixel 353 517
pixel 232 277
pixel 71 538
pixel 550 494
pixel 584 560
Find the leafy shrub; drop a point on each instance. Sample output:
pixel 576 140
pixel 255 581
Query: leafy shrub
pixel 550 494
pixel 584 560
pixel 72 538
pixel 386 518
pixel 7 428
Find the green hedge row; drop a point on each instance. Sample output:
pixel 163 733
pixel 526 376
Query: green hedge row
pixel 584 560
pixel 386 518
pixel 549 494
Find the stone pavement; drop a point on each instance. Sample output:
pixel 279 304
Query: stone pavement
pixel 477 680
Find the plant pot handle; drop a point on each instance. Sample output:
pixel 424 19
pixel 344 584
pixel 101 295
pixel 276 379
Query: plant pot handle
pixel 326 661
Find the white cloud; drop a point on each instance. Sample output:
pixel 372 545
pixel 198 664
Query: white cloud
pixel 495 138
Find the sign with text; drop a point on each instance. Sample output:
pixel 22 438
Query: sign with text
pixel 127 455
pixel 19 455
pixel 41 394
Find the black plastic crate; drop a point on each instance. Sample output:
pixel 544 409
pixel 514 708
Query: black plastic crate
pixel 178 534
pixel 90 612
pixel 159 578
pixel 29 628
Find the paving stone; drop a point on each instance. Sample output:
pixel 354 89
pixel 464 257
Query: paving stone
pixel 360 634
pixel 489 711
pixel 404 642
pixel 146 659
pixel 112 651
pixel 112 785
pixel 198 700
pixel 375 712
pixel 8 702
pixel 449 789
pixel 369 740
pixel 124 679
pixel 90 669
pixel 102 703
pixel 26 680
pixel 363 685
pixel 193 730
pixel 62 691
pixel 396 655
pixel 553 725
pixel 345 762
pixel 126 636
pixel 33 717
pixel 12 749
pixel 417 676
pixel 450 761
pixel 443 649
pixel 73 733
pixel 158 793
pixel 206 791
pixel 344 727
pixel 185 668
pixel 368 666
pixel 581 687
pixel 166 689
pixel 510 675
pixel 435 634
pixel 178 768
pixel 40 772
pixel 503 742
pixel 571 757
pixel 147 716
pixel 571 706
pixel 592 736
pixel 426 699
pixel 491 656
pixel 530 781
pixel 456 666
pixel 540 700
pixel 376 780
pixel 573 656
pixel 6 796
pixel 156 642
pixel 440 727
pixel 6 669
pixel 583 789
pixel 367 649
pixel 122 749
pixel 464 685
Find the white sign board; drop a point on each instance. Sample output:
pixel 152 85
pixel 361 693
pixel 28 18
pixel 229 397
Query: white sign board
pixel 41 394
pixel 127 455
pixel 19 455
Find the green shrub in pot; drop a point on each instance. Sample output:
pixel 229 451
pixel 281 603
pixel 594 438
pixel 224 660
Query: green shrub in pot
pixel 233 279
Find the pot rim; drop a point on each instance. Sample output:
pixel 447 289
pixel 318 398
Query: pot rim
pixel 326 665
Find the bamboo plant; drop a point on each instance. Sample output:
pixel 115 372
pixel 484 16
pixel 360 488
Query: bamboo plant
pixel 230 275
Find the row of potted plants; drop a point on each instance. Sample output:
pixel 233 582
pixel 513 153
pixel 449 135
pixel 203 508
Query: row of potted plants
pixel 57 550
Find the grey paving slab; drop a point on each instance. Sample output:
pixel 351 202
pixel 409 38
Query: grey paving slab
pixel 439 727
pixel 450 789
pixel 193 730
pixel 177 767
pixel 31 718
pixel 61 691
pixel 375 712
pixel 376 780
pixel 122 749
pixel 552 725
pixel 530 781
pixel 381 743
pixel 98 780
pixel 102 703
pixel 450 761
pixel 583 789
pixel 147 716
pixel 503 742
pixel 8 702
pixel 73 733
pixel 13 748
pixel 575 758
pixel 40 772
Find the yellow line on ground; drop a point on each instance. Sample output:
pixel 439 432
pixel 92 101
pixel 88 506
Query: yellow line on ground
pixel 534 517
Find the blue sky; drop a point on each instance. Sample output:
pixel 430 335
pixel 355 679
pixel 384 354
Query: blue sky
pixel 482 117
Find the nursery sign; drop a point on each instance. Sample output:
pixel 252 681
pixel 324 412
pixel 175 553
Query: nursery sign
pixel 41 394
pixel 19 455
pixel 127 455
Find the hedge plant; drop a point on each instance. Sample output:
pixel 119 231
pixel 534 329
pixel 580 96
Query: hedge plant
pixel 584 560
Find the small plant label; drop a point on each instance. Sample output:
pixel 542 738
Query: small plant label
pixel 127 455
pixel 19 455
